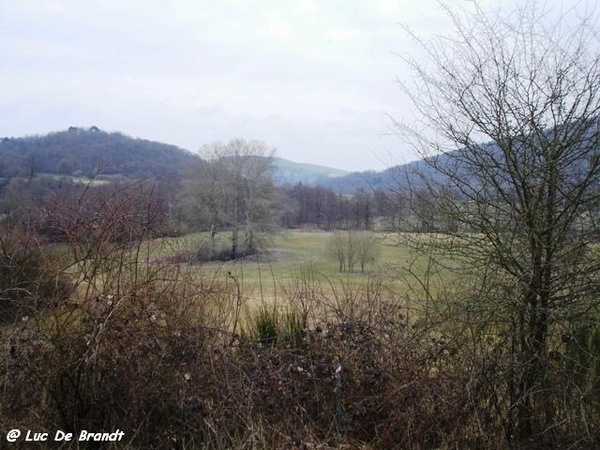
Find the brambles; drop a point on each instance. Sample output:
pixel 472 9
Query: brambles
pixel 30 280
pixel 148 347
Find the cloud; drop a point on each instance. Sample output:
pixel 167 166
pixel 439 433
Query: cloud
pixel 387 7
pixel 312 78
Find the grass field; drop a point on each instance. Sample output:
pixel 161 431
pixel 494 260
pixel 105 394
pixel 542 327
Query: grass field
pixel 300 260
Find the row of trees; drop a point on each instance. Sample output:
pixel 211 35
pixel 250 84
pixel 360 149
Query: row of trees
pixel 329 210
pixel 236 192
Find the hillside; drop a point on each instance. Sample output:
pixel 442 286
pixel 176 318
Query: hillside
pixel 464 164
pixel 87 151
pixel 397 178
pixel 290 172
pixel 413 175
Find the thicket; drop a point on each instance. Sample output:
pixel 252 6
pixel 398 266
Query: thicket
pixel 29 282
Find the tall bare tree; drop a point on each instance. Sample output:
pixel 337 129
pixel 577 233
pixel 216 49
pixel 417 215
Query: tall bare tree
pixel 509 122
pixel 231 189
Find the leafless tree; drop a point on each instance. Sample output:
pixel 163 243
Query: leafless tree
pixel 367 247
pixel 338 248
pixel 508 109
pixel 352 247
pixel 231 189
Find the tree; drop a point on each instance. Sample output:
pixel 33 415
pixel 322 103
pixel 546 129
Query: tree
pixel 510 106
pixel 338 247
pixel 363 210
pixel 352 247
pixel 367 248
pixel 232 189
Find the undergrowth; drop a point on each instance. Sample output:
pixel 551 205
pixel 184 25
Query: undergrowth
pixel 152 348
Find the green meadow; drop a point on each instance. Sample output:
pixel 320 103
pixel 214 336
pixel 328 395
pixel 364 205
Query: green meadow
pixel 300 261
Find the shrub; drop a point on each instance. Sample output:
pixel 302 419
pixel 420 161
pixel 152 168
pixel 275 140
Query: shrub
pixel 28 279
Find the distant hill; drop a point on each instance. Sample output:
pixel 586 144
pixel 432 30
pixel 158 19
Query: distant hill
pixel 289 172
pixel 360 180
pixel 401 177
pixel 417 174
pixel 85 151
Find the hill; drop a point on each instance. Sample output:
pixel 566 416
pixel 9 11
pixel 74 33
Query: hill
pixel 413 175
pixel 87 151
pixel 464 164
pixel 290 172
pixel 397 178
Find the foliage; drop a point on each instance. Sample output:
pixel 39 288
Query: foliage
pixel 270 326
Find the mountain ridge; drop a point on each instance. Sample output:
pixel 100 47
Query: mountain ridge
pixel 90 151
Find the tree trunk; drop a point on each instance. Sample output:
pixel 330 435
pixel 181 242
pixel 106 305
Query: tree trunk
pixel 234 243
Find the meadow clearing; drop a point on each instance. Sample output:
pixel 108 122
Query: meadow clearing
pixel 302 263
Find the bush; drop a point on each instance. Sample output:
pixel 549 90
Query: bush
pixel 29 282
pixel 270 326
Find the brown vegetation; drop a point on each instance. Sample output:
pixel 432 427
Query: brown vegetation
pixel 148 348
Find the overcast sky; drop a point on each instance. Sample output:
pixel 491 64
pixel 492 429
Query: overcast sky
pixel 313 79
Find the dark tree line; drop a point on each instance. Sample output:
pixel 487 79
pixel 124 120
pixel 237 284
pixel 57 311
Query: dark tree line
pixel 329 210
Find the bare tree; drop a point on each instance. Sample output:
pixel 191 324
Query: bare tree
pixel 337 247
pixel 367 248
pixel 231 188
pixel 352 247
pixel 510 107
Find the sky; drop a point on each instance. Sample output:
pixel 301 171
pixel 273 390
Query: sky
pixel 316 80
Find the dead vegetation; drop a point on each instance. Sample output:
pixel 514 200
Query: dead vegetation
pixel 161 353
